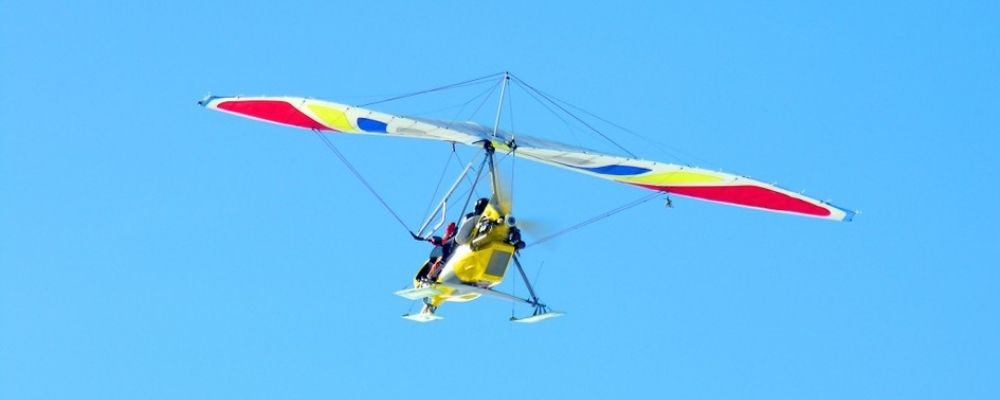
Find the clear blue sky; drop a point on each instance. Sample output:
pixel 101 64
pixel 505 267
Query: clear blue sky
pixel 153 249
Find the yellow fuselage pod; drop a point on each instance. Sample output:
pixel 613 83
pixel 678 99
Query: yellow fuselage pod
pixel 482 262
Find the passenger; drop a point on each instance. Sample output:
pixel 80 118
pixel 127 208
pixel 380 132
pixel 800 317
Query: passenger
pixel 468 224
pixel 443 247
pixel 447 244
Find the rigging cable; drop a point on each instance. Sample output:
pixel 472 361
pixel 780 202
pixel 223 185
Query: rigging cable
pixel 578 119
pixel 472 189
pixel 437 187
pixel 539 273
pixel 513 158
pixel 484 95
pixel 357 174
pixel 513 146
pixel 569 126
pixel 453 85
pixel 596 218
pixel 459 107
pixel 670 149
pixel 479 107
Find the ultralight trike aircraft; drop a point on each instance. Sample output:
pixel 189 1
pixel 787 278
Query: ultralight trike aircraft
pixel 474 258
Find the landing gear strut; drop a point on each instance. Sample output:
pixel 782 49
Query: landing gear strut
pixel 541 311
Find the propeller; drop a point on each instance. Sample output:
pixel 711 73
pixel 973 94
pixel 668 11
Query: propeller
pixel 502 199
pixel 533 227
pixel 536 228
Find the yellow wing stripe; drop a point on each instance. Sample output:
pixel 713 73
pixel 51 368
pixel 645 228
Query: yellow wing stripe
pixel 332 117
pixel 672 178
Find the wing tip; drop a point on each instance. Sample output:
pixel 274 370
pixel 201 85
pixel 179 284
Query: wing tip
pixel 848 214
pixel 208 100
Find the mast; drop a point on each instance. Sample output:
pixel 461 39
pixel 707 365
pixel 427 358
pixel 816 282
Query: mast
pixel 496 128
pixel 503 92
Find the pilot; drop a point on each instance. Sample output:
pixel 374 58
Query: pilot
pixel 514 238
pixel 468 223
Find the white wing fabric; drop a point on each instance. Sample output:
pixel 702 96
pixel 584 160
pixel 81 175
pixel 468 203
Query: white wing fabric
pixel 671 178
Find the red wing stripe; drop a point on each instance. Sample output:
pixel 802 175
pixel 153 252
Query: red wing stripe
pixel 272 110
pixel 745 195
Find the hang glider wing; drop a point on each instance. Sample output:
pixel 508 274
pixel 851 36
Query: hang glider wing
pixel 671 178
pixel 327 116
pixel 684 180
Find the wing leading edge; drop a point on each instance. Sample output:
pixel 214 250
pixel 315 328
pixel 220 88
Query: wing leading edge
pixel 671 178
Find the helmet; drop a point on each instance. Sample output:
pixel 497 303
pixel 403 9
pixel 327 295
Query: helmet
pixel 481 205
